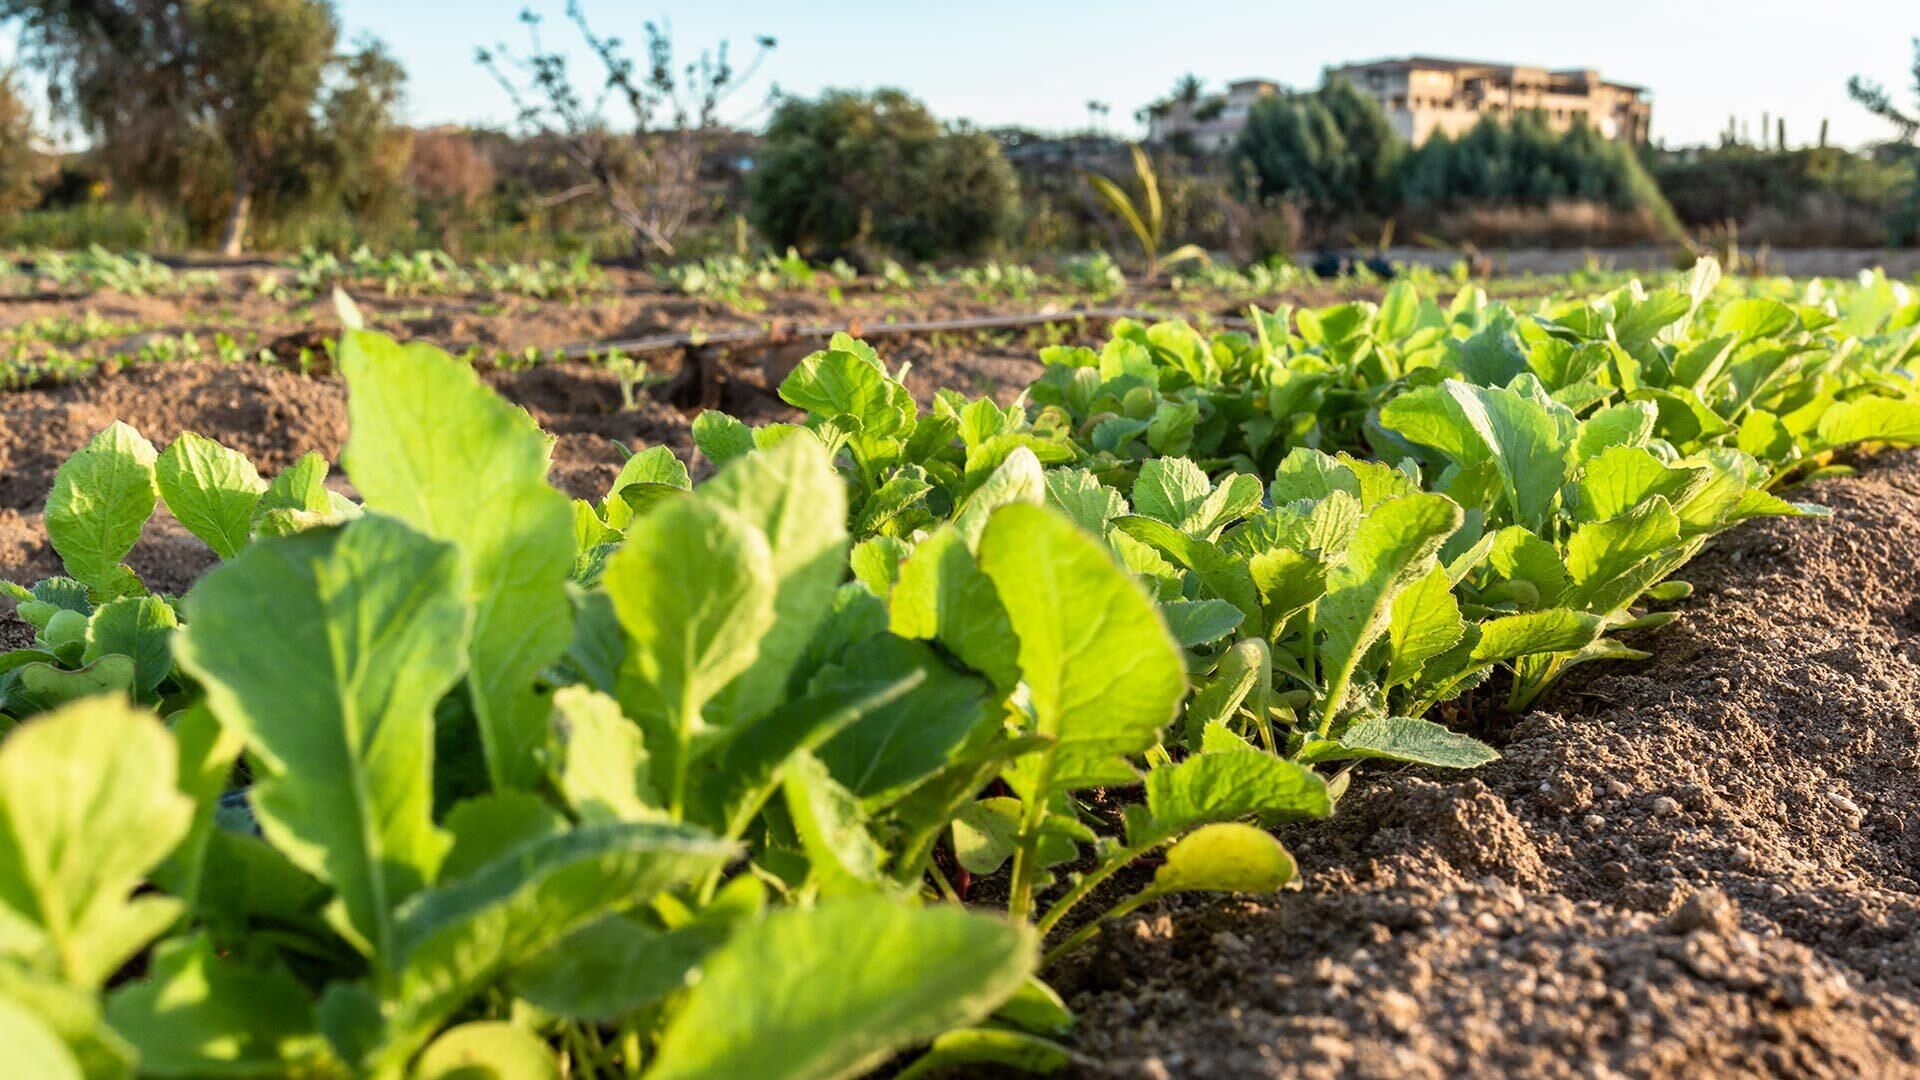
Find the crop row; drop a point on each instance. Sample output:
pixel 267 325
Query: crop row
pixel 715 780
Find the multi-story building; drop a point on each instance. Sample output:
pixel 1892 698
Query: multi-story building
pixel 1425 94
pixel 1206 123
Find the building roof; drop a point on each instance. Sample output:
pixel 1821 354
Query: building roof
pixel 1443 63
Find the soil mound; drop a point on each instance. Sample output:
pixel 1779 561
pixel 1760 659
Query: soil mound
pixel 271 415
pixel 1701 863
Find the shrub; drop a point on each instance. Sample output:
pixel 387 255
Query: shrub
pixel 1331 150
pixel 20 160
pixel 1526 163
pixel 855 169
pixel 1809 196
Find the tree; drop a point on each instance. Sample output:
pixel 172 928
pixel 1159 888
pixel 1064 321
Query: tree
pixel 260 68
pixel 21 162
pixel 1876 100
pixel 650 175
pixel 1332 151
pixel 169 90
pixel 852 168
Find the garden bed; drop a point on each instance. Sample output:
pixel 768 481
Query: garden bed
pixel 1702 861
pixel 1697 863
pixel 1702 864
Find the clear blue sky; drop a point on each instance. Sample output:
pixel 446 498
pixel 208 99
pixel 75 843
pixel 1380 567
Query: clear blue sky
pixel 1037 63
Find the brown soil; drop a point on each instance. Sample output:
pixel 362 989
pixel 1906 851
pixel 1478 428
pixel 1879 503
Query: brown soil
pixel 634 305
pixel 1700 865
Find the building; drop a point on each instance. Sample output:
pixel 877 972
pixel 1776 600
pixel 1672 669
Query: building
pixel 1205 123
pixel 1424 94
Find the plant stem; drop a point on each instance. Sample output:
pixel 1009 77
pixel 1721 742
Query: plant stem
pixel 1091 881
pixel 1085 933
pixel 1027 850
pixel 946 887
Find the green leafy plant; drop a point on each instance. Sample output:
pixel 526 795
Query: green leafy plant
pixel 1143 219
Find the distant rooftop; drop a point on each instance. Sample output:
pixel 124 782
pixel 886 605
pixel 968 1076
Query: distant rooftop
pixel 1446 63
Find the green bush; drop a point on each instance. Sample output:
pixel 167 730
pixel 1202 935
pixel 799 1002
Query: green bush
pixel 854 169
pixel 20 160
pixel 1848 196
pixel 1331 150
pixel 1525 162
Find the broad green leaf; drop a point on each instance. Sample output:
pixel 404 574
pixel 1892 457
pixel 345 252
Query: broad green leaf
pixel 875 563
pixel 88 808
pixel 49 686
pixel 1871 419
pixel 1551 631
pixel 73 1015
pixel 328 651
pixel 1619 478
pixel 954 1051
pixel 780 1001
pixel 1103 674
pixel 1601 551
pixel 846 859
pixel 1287 582
pixel 1227 576
pixel 1626 424
pixel 206 755
pixel 736 780
pixel 1425 622
pixel 991 455
pixel 487 826
pixel 943 596
pixel 610 967
pixel 1207 788
pixel 695 589
pixel 1430 416
pixel 835 382
pixel 794 498
pixel 1236 497
pixel 1399 309
pixel 212 490
pixel 1169 489
pixel 1754 317
pixel 137 626
pixel 1090 503
pixel 897 745
pixel 1524 441
pixel 1519 555
pixel 1018 479
pixel 1394 547
pixel 456 940
pixel 603 762
pixel 1306 473
pixel 985 833
pixel 33 1049
pixel 1403 738
pixel 1036 1007
pixel 300 487
pixel 1225 857
pixel 1200 622
pixel 721 437
pixel 101 499
pixel 434 447
pixel 487 1050
pixel 1245 670
pixel 655 465
pixel 198 1014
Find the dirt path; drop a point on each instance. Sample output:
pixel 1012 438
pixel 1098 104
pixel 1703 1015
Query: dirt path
pixel 1705 864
